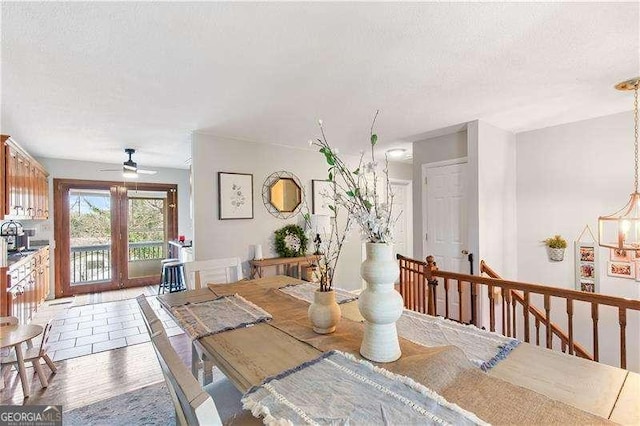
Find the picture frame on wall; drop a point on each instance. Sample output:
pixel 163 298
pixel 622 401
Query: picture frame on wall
pixel 320 202
pixel 622 255
pixel 621 269
pixel 586 267
pixel 235 195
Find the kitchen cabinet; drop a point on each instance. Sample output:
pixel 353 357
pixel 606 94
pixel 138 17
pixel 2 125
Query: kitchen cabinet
pixel 25 286
pixel 25 184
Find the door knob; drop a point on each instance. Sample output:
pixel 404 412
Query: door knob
pixel 464 252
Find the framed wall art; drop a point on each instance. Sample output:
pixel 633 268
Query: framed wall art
pixel 621 269
pixel 622 255
pixel 321 197
pixel 235 195
pixel 586 260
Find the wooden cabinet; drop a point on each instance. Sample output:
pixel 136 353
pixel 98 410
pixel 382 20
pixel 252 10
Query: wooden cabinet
pixel 25 286
pixel 25 184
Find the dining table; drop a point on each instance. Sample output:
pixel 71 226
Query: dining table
pixel 13 336
pixel 530 385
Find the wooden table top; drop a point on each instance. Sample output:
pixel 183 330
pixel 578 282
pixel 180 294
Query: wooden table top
pixel 11 335
pixel 249 355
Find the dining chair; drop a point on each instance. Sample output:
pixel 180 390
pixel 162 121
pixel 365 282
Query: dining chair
pixel 192 404
pixel 34 355
pixel 189 398
pixel 216 271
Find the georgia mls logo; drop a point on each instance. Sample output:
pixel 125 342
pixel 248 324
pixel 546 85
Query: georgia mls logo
pixel 32 415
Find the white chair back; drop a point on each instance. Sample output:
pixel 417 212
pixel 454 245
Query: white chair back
pixel 193 405
pixel 151 320
pixel 217 271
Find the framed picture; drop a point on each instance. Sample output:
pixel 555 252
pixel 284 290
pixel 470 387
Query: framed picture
pixel 235 196
pixel 621 269
pixel 586 261
pixel 322 195
pixel 587 287
pixel 622 255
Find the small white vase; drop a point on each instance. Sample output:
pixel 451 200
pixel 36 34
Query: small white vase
pixel 555 254
pixel 324 313
pixel 380 304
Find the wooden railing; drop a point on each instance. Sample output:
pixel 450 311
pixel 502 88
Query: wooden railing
pixel 540 317
pixel 419 287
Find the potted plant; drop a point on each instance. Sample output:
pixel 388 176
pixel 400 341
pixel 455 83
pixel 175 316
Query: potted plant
pixel 555 248
pixel 357 191
pixel 324 313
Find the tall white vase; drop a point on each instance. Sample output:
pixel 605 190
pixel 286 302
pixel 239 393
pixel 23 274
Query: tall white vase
pixel 380 304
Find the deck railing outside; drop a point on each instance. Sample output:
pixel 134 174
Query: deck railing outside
pixel 93 263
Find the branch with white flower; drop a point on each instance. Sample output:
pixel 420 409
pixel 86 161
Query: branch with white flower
pixel 357 190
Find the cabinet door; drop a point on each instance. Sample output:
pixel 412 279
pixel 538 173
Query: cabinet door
pixel 11 180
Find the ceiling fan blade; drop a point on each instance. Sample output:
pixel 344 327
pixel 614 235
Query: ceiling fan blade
pixel 110 170
pixel 128 167
pixel 147 172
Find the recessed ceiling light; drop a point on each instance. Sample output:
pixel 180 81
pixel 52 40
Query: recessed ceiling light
pixel 396 152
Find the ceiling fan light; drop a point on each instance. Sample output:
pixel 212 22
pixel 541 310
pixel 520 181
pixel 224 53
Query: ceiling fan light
pixel 129 174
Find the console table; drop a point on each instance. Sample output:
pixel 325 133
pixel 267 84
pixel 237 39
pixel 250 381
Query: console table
pixel 291 266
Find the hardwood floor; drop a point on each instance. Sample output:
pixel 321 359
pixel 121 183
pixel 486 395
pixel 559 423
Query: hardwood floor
pixel 89 379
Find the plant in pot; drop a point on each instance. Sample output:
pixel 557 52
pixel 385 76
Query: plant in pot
pixel 555 248
pixel 329 238
pixel 370 207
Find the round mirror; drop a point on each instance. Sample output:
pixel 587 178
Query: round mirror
pixel 285 195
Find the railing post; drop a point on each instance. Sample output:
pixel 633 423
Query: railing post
pixel 432 282
pixel 622 318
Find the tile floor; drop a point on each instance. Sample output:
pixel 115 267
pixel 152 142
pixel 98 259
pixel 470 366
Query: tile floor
pixel 90 329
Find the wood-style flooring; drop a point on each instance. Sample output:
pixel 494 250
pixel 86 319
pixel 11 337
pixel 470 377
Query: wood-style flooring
pixel 89 379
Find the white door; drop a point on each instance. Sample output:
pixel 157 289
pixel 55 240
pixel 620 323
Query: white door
pixel 403 229
pixel 446 225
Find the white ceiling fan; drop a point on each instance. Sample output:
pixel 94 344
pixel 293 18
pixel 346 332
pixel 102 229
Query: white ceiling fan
pixel 130 168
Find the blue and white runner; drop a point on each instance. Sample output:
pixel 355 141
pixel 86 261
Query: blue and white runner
pixel 483 348
pixel 337 388
pixel 305 291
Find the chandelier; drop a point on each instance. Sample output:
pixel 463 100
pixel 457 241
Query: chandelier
pixel 621 230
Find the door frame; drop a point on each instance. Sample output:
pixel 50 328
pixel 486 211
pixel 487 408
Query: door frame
pixel 118 216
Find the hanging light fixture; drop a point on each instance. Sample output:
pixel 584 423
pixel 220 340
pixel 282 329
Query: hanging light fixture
pixel 621 230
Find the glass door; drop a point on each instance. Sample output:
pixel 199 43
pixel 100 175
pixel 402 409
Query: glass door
pixel 90 246
pixel 111 235
pixel 147 235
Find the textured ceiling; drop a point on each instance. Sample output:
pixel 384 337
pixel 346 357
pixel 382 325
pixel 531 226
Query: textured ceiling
pixel 85 80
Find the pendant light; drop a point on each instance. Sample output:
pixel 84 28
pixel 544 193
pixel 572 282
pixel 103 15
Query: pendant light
pixel 621 230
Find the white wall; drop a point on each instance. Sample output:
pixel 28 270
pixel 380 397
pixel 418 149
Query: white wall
pixel 496 180
pixel 69 169
pixel 567 176
pixel 223 238
pixel 431 150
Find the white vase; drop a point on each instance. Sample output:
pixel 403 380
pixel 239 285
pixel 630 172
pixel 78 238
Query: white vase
pixel 555 254
pixel 380 304
pixel 324 313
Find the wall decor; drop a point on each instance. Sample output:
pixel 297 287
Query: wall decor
pixel 322 192
pixel 586 262
pixel 622 255
pixel 235 195
pixel 282 194
pixel 621 269
pixel 290 241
